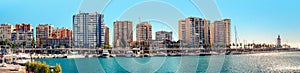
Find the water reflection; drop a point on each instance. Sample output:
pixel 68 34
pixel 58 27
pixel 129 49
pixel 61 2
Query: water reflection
pixel 268 62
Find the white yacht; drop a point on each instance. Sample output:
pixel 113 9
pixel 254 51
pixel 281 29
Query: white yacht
pixel 161 54
pixel 89 56
pixel 129 54
pixel 105 54
pixel 74 55
pixel 22 58
pixel 138 54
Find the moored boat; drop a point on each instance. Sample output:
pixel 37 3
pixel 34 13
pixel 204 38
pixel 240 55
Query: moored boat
pixel 129 54
pixel 74 55
pixel 22 58
pixel 105 54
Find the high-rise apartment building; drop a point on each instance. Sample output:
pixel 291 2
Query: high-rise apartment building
pixel 220 33
pixel 144 32
pixel 5 31
pixel 106 34
pixel 123 33
pixel 163 36
pixel 22 33
pixel 88 30
pixel 194 31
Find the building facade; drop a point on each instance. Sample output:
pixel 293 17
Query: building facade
pixel 194 31
pixel 123 33
pixel 43 33
pixel 88 30
pixel 23 33
pixel 106 34
pixel 163 36
pixel 144 32
pixel 220 33
pixel 5 31
pixel 59 37
pixel 61 33
pixel 46 36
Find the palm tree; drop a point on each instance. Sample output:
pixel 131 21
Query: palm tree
pixel 136 44
pixel 241 44
pixel 228 45
pixel 89 44
pixel 204 45
pixel 144 43
pixel 5 42
pixel 97 44
pixel 201 45
pixel 24 45
pixel 237 45
pixel 104 45
pixel 285 45
pixel 33 43
pixel 41 43
pixel 182 44
pixel 72 44
pixel 107 45
pixel 259 45
pixel 177 44
pixel 252 45
pixel 249 46
pixel 169 44
pixel 69 45
pixel 233 45
pixel 11 45
pixel 80 44
pixel 129 45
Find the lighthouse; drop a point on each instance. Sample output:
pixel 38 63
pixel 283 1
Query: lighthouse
pixel 279 42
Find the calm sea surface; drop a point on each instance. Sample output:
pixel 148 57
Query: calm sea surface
pixel 257 63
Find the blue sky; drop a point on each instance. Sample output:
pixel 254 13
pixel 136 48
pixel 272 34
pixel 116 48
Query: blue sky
pixel 256 20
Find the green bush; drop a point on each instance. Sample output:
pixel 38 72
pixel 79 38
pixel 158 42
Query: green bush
pixel 39 67
pixel 57 69
pixel 27 65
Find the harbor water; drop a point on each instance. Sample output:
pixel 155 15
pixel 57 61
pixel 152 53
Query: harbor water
pixel 253 63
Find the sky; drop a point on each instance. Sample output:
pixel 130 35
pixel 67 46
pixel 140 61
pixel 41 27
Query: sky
pixel 258 21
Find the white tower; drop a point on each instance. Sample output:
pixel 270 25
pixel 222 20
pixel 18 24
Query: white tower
pixel 278 42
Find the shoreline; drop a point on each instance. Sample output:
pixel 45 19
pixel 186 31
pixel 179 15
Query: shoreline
pixel 174 55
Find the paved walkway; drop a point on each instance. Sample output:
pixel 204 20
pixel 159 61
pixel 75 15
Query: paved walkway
pixel 10 67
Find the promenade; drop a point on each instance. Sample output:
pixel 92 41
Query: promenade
pixel 10 68
pixel 122 51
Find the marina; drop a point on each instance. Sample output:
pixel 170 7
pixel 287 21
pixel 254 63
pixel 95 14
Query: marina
pixel 259 62
pixel 86 53
pixel 15 60
pixel 149 36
